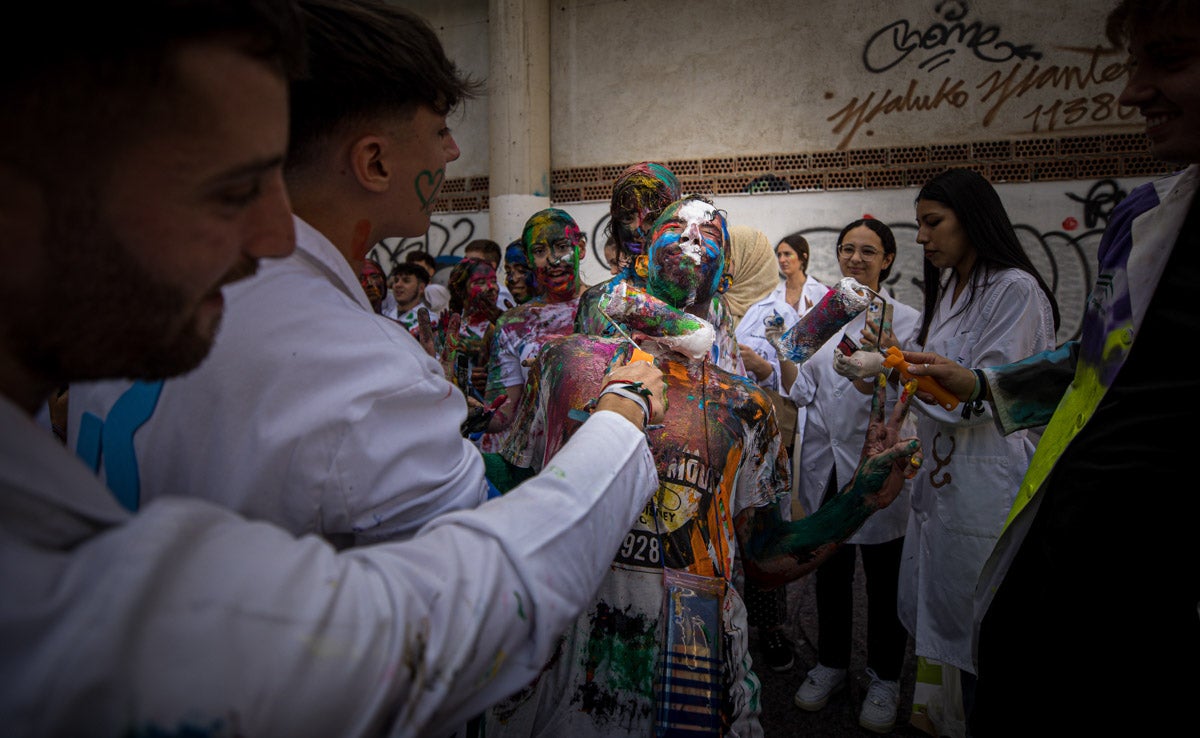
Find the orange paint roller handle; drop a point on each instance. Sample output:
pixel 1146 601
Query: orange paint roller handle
pixel 895 358
pixel 640 355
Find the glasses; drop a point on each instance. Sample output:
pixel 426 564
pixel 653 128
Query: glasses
pixel 560 249
pixel 846 250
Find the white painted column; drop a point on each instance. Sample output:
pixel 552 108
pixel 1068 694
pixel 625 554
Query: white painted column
pixel 519 114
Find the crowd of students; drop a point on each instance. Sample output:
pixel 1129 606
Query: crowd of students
pixel 315 500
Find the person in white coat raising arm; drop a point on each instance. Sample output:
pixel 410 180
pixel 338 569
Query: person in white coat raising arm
pixel 186 617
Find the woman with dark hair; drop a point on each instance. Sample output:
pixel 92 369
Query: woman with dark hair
pixel 518 275
pixel 836 417
pixel 984 305
pixel 796 294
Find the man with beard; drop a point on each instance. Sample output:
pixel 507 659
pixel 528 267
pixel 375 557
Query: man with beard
pixel 312 411
pixel 723 477
pixel 186 618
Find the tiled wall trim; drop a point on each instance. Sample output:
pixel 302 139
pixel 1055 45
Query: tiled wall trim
pixel 1024 160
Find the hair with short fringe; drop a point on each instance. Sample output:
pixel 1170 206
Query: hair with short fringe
pixel 1131 15
pixel 886 237
pixel 367 58
pixel 80 84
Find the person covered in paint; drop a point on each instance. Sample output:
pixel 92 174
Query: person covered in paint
pixel 489 251
pixel 723 478
pixel 518 275
pixel 374 284
pixel 639 196
pixel 1102 533
pixel 553 244
pixel 408 292
pixel 468 326
pixel 186 618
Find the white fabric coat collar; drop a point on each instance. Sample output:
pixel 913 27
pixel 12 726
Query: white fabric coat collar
pixel 313 247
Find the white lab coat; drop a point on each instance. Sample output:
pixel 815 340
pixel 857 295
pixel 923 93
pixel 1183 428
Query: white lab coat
pixel 311 412
pixel 750 328
pixel 954 525
pixel 187 615
pixel 837 416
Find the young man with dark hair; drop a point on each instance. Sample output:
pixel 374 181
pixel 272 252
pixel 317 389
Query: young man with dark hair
pixel 408 290
pixel 186 617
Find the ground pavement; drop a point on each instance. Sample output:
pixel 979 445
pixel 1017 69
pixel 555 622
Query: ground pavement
pixel 782 719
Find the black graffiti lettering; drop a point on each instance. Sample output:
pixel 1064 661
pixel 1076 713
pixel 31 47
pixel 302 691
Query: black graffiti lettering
pixel 894 42
pixel 1099 201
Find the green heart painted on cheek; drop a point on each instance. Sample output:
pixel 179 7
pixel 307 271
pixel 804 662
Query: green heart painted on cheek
pixel 427 185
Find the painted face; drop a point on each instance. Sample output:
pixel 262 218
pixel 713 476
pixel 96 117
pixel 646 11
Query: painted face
pixel 789 260
pixel 554 244
pixel 1164 86
pixel 516 278
pixel 421 148
pixel 186 210
pixel 408 291
pixel 860 255
pixel 687 253
pixel 481 288
pixel 639 196
pixel 941 234
pixel 373 283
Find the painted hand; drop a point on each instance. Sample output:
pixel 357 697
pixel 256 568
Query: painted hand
pixel 652 387
pixel 887 460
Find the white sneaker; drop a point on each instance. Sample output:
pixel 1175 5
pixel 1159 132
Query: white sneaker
pixel 820 683
pixel 878 713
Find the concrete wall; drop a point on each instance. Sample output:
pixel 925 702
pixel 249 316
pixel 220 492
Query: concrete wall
pixel 850 106
pixel 635 80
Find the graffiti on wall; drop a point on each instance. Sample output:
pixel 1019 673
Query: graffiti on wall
pixel 1065 255
pixel 1085 79
pixel 444 242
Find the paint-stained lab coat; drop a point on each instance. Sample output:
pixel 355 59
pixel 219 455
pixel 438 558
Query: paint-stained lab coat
pixel 186 618
pixel 962 494
pixel 311 412
pixel 836 422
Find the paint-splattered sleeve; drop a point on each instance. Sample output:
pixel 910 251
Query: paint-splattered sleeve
pixel 1026 393
pixel 524 443
pixel 504 366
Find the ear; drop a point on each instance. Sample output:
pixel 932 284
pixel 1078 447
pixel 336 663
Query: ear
pixel 887 260
pixel 369 162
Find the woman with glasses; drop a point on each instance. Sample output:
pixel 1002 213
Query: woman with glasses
pixel 836 416
pixel 984 305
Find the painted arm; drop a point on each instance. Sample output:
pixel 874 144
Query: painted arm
pixel 1023 394
pixel 776 551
